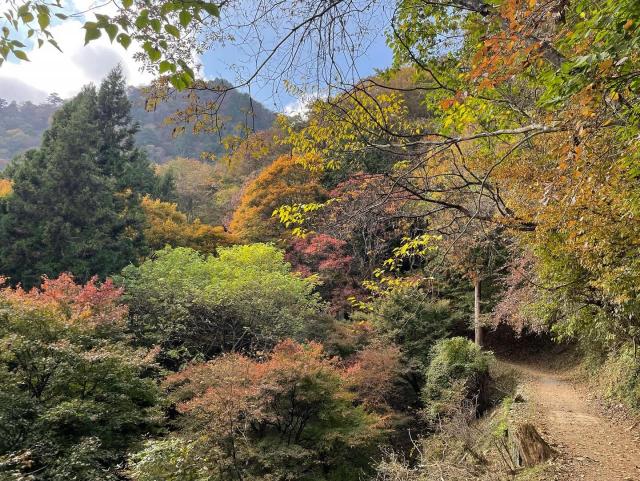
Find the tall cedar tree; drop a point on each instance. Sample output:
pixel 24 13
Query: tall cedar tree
pixel 117 154
pixel 75 203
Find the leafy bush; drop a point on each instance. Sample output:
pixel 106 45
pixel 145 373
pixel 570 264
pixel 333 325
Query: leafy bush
pixel 73 396
pixel 291 417
pixel 195 306
pixel 458 372
pixel 619 376
pixel 410 318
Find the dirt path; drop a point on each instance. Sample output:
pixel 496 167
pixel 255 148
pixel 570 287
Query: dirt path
pixel 592 447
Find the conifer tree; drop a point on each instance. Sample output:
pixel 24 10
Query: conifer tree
pixel 71 209
pixel 117 154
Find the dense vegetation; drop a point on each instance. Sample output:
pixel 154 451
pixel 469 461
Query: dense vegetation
pixel 22 125
pixel 303 307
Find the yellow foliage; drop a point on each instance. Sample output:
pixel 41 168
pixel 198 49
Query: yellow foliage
pixel 167 225
pixel 5 188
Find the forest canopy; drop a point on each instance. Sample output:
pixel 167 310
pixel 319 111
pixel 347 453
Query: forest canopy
pixel 320 300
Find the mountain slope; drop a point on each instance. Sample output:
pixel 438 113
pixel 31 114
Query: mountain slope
pixel 22 125
pixel 236 111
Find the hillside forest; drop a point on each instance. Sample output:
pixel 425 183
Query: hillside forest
pixel 193 288
pixel 22 124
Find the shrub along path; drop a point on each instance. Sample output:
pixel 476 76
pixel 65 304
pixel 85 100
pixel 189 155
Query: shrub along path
pixel 592 447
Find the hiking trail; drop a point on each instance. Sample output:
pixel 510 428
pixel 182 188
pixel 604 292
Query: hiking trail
pixel 592 446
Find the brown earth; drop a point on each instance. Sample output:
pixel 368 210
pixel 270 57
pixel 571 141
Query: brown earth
pixel 592 446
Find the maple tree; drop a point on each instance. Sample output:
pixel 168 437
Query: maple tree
pixel 74 395
pixel 326 257
pixel 285 181
pixel 290 414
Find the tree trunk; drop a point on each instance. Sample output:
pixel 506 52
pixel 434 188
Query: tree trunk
pixel 528 447
pixel 476 311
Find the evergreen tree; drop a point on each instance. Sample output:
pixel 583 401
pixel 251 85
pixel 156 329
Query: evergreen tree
pixel 67 213
pixel 117 155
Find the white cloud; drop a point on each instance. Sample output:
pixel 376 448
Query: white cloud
pixel 65 73
pixel 300 106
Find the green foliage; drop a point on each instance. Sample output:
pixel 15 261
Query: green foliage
pixel 458 371
pixel 196 306
pixel 619 376
pixel 73 396
pixel 410 318
pixel 62 215
pixel 117 154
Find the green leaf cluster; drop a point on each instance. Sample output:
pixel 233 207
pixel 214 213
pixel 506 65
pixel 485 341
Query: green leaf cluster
pixel 196 306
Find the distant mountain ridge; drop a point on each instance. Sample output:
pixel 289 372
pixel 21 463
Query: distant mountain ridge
pixel 22 125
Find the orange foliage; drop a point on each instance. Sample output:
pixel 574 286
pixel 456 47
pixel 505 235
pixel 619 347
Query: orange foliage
pixel 93 304
pixel 372 374
pixel 285 181
pixel 233 383
pixel 295 404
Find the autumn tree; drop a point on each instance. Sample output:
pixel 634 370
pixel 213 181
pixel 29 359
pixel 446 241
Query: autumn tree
pixel 289 415
pixel 329 259
pixel 166 225
pixel 248 155
pixel 75 397
pixel 285 181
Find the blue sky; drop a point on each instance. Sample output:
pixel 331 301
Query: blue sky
pixel 65 73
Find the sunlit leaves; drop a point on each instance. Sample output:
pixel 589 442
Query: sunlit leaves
pixel 32 16
pixel 154 27
pixel 346 128
pixel 196 306
pixel 5 188
pixel 185 18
